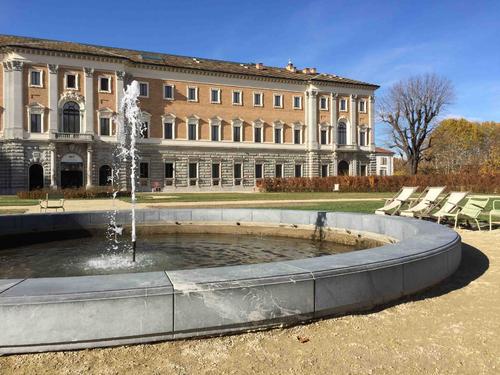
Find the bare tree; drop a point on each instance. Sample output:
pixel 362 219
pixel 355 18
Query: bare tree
pixel 411 108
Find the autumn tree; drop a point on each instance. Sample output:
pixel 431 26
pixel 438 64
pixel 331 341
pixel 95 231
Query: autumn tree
pixel 411 108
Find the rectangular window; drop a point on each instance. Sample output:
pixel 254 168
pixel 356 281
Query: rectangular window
pixel 278 101
pixel 36 78
pixel 237 173
pixel 105 127
pixel 343 105
pixel 297 102
pixel 383 172
pixel 168 92
pixel 362 106
pixel 169 170
pixel 324 136
pixel 257 134
pixel 296 136
pixel 383 161
pixel 237 97
pixel 362 138
pixel 168 130
pixel 257 99
pixel 298 170
pixel 324 170
pixel 362 170
pixel 192 94
pixel 259 171
pixel 215 96
pixel 277 135
pixel 143 170
pixel 192 132
pixel 237 134
pixel 323 103
pixel 36 123
pixel 145 129
pixel 104 84
pixel 71 81
pixel 278 172
pixel 193 174
pixel 215 174
pixel 215 132
pixel 144 89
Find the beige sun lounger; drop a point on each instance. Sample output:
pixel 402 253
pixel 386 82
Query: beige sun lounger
pixel 450 207
pixel 424 205
pixel 471 210
pixel 394 204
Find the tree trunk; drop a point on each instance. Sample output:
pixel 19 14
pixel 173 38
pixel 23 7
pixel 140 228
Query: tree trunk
pixel 413 165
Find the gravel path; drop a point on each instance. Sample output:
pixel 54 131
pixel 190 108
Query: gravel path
pixel 453 328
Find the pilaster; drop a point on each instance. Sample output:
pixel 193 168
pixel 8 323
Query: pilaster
pixel 353 113
pixel 14 100
pixel 312 119
pixel 89 101
pixel 53 101
pixel 371 121
pixel 90 151
pixel 334 118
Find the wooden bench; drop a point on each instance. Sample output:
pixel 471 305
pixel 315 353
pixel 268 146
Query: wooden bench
pixel 52 201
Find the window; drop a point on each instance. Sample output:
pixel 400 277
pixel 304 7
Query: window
pixel 278 101
pixel 105 84
pixel 258 99
pixel 215 96
pixel 215 131
pixel 143 170
pixel 323 103
pixel 363 170
pixel 105 175
pixel 297 102
pixel 168 92
pixel 192 133
pixel 36 78
pixel 362 106
pixel 168 130
pixel 257 133
pixel 71 118
pixel 383 172
pixel 193 174
pixel 215 174
pixel 297 136
pixel 278 171
pixel 383 161
pixel 278 135
pixel 362 137
pixel 324 136
pixel 237 97
pixel 36 123
pixel 259 171
pixel 298 170
pixel 169 173
pixel 237 173
pixel 145 129
pixel 324 170
pixel 343 105
pixel 104 126
pixel 144 89
pixel 71 81
pixel 237 126
pixel 342 134
pixel 192 94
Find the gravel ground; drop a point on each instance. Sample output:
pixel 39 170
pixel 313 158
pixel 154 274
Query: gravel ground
pixel 453 328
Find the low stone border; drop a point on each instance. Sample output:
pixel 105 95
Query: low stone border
pixel 92 311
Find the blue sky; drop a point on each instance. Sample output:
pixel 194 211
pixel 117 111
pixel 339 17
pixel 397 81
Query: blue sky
pixel 375 41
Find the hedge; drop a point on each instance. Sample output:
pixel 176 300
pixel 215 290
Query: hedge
pixel 477 183
pixel 80 193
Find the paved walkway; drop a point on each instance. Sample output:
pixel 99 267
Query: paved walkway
pixel 453 328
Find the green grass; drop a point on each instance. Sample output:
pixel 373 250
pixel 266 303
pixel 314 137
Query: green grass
pixel 12 200
pixel 358 206
pixel 211 197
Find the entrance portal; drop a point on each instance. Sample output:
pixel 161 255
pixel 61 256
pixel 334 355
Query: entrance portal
pixel 71 171
pixel 343 168
pixel 36 177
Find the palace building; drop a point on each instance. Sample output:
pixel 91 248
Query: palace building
pixel 209 124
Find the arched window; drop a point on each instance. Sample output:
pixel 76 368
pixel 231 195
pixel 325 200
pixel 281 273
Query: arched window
pixel 105 175
pixel 342 133
pixel 343 168
pixel 71 118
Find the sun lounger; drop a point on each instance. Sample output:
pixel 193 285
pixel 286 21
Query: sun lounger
pixel 393 205
pixel 470 211
pixel 52 201
pixel 494 212
pixel 450 207
pixel 423 206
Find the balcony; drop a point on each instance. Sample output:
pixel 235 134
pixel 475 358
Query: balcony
pixel 73 137
pixel 347 148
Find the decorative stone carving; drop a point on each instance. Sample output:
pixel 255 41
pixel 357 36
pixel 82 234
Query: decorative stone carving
pixel 89 72
pixel 354 96
pixel 53 68
pixel 13 65
pixel 372 98
pixel 72 96
pixel 120 75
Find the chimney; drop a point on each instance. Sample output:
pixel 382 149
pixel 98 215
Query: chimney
pixel 259 66
pixel 290 66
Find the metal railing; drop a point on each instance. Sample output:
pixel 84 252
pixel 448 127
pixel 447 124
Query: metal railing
pixel 73 136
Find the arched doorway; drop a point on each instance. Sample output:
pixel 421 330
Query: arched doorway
pixel 35 177
pixel 71 171
pixel 343 168
pixel 105 175
pixel 71 118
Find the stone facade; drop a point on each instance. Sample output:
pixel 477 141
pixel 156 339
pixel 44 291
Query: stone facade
pixel 57 130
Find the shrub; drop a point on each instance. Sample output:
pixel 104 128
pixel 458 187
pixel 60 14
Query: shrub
pixel 477 183
pixel 78 193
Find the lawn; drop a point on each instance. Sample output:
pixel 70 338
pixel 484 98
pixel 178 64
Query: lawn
pixel 12 200
pixel 357 206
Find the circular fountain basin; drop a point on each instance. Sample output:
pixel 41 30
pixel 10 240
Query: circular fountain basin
pixel 59 313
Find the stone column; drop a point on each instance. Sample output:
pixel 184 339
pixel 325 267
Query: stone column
pixel 334 119
pixel 353 113
pixel 52 149
pixel 312 131
pixel 14 114
pixel 89 101
pixel 89 166
pixel 53 101
pixel 354 167
pixel 119 86
pixel 371 121
pixel 335 171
